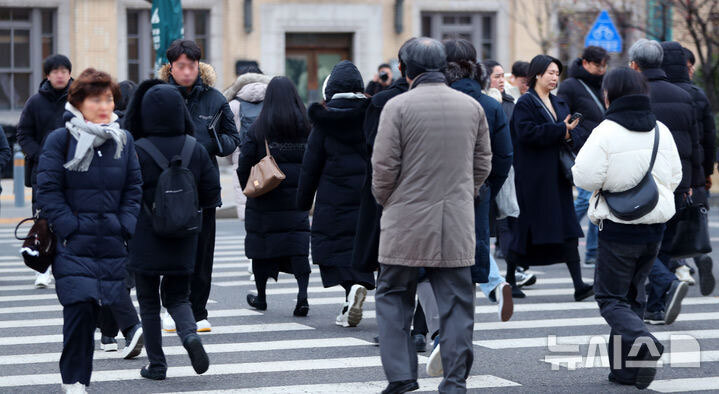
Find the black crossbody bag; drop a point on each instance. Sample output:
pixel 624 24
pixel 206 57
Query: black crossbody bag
pixel 641 199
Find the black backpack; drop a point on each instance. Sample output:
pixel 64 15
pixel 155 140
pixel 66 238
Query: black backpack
pixel 175 211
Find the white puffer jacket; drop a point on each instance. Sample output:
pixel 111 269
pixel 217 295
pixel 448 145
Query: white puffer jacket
pixel 615 159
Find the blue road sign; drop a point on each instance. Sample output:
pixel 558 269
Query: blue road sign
pixel 604 34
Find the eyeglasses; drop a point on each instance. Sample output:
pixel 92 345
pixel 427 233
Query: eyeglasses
pixel 602 66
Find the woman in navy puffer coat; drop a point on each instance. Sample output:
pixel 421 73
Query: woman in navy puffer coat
pixel 89 189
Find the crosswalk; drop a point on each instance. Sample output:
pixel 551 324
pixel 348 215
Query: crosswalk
pixel 273 352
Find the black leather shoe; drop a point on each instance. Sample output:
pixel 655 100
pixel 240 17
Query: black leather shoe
pixel 583 292
pixel 301 309
pixel 706 277
pixel 153 373
pixel 401 387
pixel 517 293
pixel 255 302
pixel 198 356
pixel 614 379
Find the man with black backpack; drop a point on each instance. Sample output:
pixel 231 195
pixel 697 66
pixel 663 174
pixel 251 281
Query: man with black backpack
pixel 179 181
pixel 245 96
pixel 215 129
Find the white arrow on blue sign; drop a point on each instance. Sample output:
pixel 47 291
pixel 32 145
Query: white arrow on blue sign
pixel 604 34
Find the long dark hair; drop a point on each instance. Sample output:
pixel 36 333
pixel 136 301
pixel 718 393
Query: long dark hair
pixel 283 117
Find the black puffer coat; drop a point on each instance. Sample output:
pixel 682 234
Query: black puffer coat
pixel 43 113
pixel 675 108
pixel 675 66
pixel 163 121
pixel 577 97
pixel 334 166
pixel 275 226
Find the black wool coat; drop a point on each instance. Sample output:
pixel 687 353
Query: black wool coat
pixel 334 167
pixel 546 204
pixel 366 246
pixel 275 226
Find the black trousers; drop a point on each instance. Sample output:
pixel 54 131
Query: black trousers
pixel 619 278
pixel 172 292
pixel 78 345
pixel 202 277
pixel 118 316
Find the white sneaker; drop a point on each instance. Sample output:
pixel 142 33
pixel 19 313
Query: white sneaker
pixel 684 274
pixel 341 319
pixel 503 292
pixel 76 388
pixel 204 326
pixel 434 363
pixel 42 281
pixel 168 325
pixel 356 298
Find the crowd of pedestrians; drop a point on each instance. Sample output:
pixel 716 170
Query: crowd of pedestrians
pixel 403 196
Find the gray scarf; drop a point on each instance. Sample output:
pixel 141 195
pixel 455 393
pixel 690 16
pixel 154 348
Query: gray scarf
pixel 90 136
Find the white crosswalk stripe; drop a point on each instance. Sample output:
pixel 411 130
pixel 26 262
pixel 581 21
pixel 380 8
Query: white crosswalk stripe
pixel 246 342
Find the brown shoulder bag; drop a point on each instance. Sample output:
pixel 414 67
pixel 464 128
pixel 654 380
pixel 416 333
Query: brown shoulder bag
pixel 265 176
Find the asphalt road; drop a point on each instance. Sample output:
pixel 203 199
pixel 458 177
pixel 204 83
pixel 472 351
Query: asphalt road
pixel 274 352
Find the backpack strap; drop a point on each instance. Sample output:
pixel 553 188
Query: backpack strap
pixel 188 148
pixel 154 153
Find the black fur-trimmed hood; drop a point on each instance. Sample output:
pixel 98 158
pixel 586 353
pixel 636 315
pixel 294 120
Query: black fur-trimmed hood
pixel 342 119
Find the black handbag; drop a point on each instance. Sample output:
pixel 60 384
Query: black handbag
pixel 39 246
pixel 641 199
pixel 691 236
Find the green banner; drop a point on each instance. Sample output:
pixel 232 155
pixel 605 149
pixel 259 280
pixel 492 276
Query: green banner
pixel 166 27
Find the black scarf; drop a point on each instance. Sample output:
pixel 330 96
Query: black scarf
pixel 429 77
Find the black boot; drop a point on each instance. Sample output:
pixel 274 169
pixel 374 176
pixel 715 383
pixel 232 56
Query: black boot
pixel 302 308
pixel 256 303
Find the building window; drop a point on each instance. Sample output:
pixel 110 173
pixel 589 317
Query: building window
pixel 27 36
pixel 477 28
pixel 141 53
pixel 197 28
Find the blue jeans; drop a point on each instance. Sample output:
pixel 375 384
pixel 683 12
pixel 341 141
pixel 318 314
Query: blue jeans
pixel 494 278
pixel 660 279
pixel 581 206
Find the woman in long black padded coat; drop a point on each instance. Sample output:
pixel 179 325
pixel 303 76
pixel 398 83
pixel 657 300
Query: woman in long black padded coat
pixel 334 166
pixel 278 232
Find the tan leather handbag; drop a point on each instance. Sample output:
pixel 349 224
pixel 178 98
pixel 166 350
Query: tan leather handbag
pixel 265 176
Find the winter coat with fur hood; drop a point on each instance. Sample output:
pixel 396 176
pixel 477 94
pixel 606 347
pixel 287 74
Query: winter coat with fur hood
pixel 334 167
pixel 249 89
pixel 204 102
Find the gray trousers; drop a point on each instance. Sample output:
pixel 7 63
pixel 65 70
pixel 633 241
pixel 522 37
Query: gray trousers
pixel 425 294
pixel 394 304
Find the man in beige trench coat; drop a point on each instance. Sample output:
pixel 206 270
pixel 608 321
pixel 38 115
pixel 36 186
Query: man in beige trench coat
pixel 431 155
